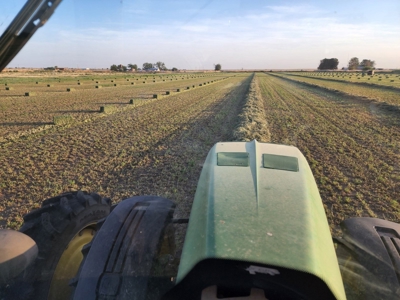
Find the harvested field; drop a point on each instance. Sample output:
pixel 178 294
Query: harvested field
pixel 157 146
pixel 353 150
pixel 370 92
pixel 378 79
pixel 19 113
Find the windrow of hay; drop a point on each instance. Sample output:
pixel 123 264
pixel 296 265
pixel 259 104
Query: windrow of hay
pixel 253 121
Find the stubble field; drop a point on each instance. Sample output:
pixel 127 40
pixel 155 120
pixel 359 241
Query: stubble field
pixel 157 146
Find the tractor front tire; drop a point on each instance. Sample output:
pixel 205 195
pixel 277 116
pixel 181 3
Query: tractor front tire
pixel 60 228
pixel 132 253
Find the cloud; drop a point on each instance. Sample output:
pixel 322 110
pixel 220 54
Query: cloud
pixel 276 37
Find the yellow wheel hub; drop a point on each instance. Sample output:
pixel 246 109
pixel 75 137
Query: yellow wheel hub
pixel 68 264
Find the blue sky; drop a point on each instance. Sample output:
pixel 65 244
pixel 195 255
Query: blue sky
pixel 198 34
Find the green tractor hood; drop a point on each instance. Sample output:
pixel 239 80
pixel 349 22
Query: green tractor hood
pixel 259 203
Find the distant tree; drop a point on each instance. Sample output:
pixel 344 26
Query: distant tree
pixel 367 64
pixel 354 63
pixel 217 67
pixel 328 64
pixel 119 68
pixel 147 66
pixel 133 67
pixel 160 65
pixel 174 69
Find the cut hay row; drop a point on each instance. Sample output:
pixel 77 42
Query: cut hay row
pixel 179 90
pixel 253 121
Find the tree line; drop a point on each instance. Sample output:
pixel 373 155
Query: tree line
pixel 148 66
pixel 365 64
pixel 354 64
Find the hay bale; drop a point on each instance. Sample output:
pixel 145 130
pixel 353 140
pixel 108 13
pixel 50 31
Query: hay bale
pixel 115 84
pixel 156 96
pixel 9 88
pixel 79 83
pixel 97 81
pixel 144 81
pixel 63 120
pixel 112 80
pixel 188 87
pixel 107 109
pixel 37 82
pixel 154 81
pixel 5 84
pixel 30 94
pixel 98 86
pixel 167 93
pixel 193 86
pixel 132 83
pixel 70 89
pixel 131 101
pixel 200 84
pixel 127 80
pixel 178 90
pixel 50 85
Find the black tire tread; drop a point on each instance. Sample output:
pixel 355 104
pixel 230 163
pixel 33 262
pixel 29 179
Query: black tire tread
pixel 52 226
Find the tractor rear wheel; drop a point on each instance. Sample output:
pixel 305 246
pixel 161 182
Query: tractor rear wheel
pixel 60 228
